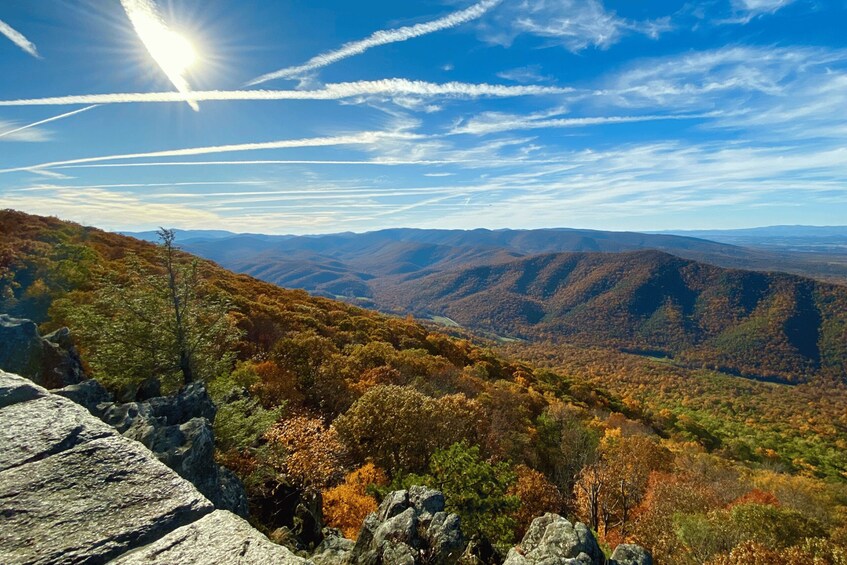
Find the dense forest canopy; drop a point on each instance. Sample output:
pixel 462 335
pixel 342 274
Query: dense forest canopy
pixel 323 397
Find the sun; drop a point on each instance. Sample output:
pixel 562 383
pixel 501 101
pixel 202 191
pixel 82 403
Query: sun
pixel 173 52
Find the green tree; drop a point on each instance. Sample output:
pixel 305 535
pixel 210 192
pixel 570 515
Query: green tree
pixel 158 320
pixel 475 489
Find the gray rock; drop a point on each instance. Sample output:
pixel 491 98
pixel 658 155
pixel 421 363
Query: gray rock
pixel 122 416
pixel 393 504
pixel 14 389
pixel 230 493
pixel 193 401
pixel 480 552
pixel 33 430
pixel 151 387
pixel 365 541
pixel 444 538
pixel 410 527
pixel 335 549
pixel 631 554
pixel 552 540
pixel 89 394
pixel 178 430
pixel 397 553
pixel 221 538
pixel 91 503
pixel 71 369
pixel 50 361
pixel 401 528
pixel 426 500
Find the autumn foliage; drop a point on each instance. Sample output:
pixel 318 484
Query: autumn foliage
pixel 696 465
pixel 346 505
pixel 314 456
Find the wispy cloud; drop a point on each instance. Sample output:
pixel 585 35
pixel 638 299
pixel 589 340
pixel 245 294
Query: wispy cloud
pixel 165 46
pixel 14 132
pixel 45 121
pixel 382 37
pixel 18 39
pixel 336 91
pixel 50 174
pixel 353 139
pixel 107 209
pixel 796 91
pixel 746 10
pixel 574 24
pixel 527 74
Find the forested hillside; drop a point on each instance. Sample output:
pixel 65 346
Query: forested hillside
pixel 351 266
pixel 319 397
pixel 765 325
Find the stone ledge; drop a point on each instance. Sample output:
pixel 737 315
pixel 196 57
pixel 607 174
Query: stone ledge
pixel 14 389
pixel 221 538
pixel 92 503
pixel 50 424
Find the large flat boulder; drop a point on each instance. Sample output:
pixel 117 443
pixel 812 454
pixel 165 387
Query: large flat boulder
pixel 91 503
pixel 33 430
pixel 221 538
pixel 14 389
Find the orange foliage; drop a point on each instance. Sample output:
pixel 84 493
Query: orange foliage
pixel 346 506
pixel 314 456
pixel 382 375
pixel 276 385
pixel 756 496
pixel 537 495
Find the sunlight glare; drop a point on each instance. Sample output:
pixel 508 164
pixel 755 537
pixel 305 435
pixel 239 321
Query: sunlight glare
pixel 173 52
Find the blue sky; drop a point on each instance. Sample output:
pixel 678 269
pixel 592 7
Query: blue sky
pixel 327 116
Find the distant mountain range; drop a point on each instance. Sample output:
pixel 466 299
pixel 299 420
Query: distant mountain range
pixel 830 240
pixel 343 264
pixel 659 294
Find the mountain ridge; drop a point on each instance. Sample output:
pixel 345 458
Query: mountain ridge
pixel 767 325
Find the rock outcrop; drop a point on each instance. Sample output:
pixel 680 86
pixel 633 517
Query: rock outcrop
pixel 72 490
pixel 335 549
pixel 553 540
pixel 410 527
pixel 51 361
pixel 630 554
pixel 177 429
pixel 219 538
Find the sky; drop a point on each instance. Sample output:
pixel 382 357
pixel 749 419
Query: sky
pixel 319 116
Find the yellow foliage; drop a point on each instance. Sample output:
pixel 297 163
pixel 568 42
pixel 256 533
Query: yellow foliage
pixel 346 506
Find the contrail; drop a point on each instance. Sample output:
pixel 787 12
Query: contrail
pixel 160 42
pixel 140 185
pixel 363 138
pixel 381 37
pixel 374 162
pixel 476 127
pixel 335 91
pixel 18 39
pixel 53 119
